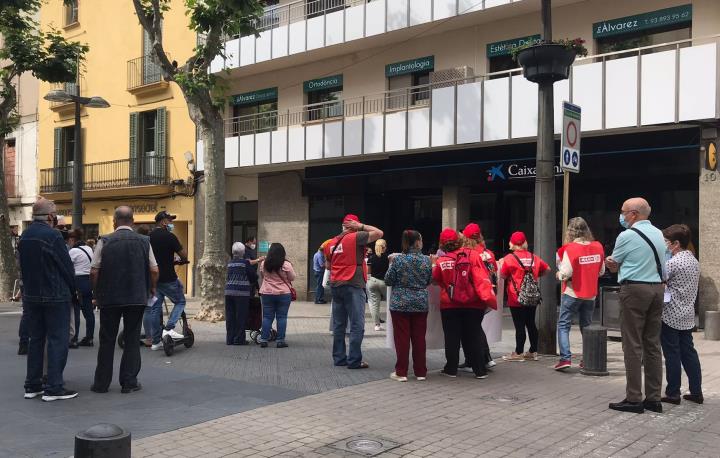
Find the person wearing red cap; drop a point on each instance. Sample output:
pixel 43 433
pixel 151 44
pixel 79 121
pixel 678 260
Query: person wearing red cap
pixel 466 292
pixel 348 279
pixel 513 269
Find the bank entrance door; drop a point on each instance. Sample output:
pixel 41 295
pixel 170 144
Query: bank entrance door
pixel 500 214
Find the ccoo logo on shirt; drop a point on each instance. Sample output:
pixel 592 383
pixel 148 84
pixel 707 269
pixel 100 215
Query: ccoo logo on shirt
pixel 591 259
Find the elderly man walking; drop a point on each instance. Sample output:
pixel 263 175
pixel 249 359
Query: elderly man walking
pixel 48 288
pixel 637 255
pixel 124 274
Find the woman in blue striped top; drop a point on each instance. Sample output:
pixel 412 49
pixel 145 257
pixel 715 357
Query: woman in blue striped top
pixel 240 278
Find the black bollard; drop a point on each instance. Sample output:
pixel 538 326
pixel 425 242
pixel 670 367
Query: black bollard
pixel 103 441
pixel 594 351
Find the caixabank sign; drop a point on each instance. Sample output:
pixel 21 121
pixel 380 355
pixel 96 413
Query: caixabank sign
pixel 515 171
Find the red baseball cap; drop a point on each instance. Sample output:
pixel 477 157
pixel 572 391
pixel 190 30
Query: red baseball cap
pixel 448 235
pixel 472 231
pixel 518 238
pixel 351 217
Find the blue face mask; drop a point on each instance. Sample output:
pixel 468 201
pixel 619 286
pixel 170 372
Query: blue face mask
pixel 170 227
pixel 623 223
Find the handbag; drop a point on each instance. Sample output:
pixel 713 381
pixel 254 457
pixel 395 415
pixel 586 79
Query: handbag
pixel 293 293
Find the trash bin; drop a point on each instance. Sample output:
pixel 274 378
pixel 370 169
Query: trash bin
pixel 610 307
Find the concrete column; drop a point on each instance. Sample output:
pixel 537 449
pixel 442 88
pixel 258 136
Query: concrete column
pixel 455 206
pixel 283 217
pixel 709 224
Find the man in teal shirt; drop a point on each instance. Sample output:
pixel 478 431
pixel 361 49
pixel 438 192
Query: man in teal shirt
pixel 638 255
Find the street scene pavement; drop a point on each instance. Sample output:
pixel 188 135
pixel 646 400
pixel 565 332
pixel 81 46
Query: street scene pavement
pixel 214 400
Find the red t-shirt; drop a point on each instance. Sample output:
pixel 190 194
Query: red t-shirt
pixel 513 272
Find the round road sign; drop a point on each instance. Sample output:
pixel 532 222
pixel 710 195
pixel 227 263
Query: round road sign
pixel 571 134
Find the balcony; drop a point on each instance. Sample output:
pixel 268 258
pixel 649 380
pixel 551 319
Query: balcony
pixel 144 76
pixel 124 173
pixel 664 84
pixel 306 25
pixel 12 186
pixel 70 88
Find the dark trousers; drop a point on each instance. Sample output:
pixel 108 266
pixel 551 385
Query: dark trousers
pixel 678 348
pixel 86 307
pixel 24 329
pixel 524 318
pixel 484 349
pixel 51 323
pixel 319 289
pixel 409 327
pixel 463 325
pixel 236 312
pixel 130 363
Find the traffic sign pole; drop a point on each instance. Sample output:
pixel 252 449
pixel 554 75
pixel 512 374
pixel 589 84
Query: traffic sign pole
pixel 566 202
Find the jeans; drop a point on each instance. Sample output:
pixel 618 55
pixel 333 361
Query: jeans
pixel 409 327
pixel 130 362
pixel 319 289
pixel 377 291
pixel 24 329
pixel 236 312
pixel 678 348
pixel 348 303
pixel 569 306
pixel 86 306
pixel 174 291
pixel 463 325
pixel 47 322
pixel 524 317
pixel 275 307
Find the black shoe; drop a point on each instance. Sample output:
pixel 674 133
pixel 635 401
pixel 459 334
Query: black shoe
pixel 85 342
pixel 282 345
pixel 653 406
pixel 627 406
pixel 73 344
pixel 130 388
pixel 671 400
pixel 59 396
pixel 96 389
pixel 382 321
pixel 241 342
pixel 696 398
pixel 33 393
pixel 23 349
pixel 263 344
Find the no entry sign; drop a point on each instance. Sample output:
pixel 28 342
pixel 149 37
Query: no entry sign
pixel 570 138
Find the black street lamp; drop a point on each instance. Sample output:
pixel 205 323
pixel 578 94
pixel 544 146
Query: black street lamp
pixel 58 95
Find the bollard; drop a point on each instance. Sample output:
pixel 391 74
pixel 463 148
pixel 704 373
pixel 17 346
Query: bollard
pixel 594 351
pixel 712 325
pixel 103 441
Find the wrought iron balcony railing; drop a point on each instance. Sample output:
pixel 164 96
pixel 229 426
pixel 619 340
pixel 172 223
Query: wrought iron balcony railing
pixel 143 71
pixel 123 173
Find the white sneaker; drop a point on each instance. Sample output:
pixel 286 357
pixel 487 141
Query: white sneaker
pixel 157 346
pixel 378 327
pixel 491 364
pixel 172 333
pixel 466 369
pixel 420 379
pixel 398 378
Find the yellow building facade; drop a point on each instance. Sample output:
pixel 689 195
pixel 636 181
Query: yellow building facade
pixel 141 150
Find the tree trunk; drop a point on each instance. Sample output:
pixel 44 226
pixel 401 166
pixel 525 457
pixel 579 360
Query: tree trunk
pixel 213 264
pixel 8 267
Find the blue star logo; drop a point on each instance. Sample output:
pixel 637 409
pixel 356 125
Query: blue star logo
pixel 495 172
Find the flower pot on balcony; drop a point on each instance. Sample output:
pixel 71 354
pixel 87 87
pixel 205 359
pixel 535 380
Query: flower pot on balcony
pixel 546 63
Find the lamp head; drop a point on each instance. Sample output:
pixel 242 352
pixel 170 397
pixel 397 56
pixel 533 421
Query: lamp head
pixel 97 102
pixel 58 95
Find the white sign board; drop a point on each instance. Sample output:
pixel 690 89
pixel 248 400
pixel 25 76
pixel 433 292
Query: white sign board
pixel 570 138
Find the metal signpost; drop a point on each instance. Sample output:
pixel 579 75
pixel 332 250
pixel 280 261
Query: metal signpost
pixel 569 152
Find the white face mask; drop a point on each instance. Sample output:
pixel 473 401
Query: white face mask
pixel 251 246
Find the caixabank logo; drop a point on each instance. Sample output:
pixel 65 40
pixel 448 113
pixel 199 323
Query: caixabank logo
pixel 514 171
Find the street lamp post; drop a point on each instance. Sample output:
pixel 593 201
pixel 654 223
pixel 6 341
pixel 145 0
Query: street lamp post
pixel 78 159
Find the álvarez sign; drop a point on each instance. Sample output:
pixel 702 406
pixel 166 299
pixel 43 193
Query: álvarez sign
pixel 651 20
pixel 319 84
pixel 249 98
pixel 505 47
pixel 410 66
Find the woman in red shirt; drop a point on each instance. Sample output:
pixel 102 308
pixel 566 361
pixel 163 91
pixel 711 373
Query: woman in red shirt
pixel 523 317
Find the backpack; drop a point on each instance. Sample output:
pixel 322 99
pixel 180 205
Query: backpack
pixel 461 290
pixel 529 292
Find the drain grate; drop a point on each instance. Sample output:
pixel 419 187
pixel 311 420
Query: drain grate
pixel 506 398
pixel 365 445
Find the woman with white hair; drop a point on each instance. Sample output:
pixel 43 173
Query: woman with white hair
pixel 240 278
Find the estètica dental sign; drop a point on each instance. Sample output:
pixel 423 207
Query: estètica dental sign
pixel 323 83
pixel 505 47
pixel 410 66
pixel 651 20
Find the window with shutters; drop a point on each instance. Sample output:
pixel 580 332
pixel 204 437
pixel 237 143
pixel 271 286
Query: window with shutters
pixel 64 157
pixel 71 12
pixel 148 140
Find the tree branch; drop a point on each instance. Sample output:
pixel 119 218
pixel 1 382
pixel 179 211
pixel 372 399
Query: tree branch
pixel 153 26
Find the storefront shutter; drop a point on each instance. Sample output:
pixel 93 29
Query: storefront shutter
pixel 133 148
pixel 160 165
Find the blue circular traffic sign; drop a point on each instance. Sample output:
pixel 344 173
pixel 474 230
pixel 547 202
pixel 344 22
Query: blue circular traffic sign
pixel 575 159
pixel 566 157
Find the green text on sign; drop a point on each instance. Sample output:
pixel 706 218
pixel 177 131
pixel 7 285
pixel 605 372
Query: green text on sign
pixel 652 20
pixel 504 48
pixel 250 98
pixel 410 66
pixel 319 84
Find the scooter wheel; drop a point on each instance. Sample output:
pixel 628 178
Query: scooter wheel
pixel 273 335
pixel 254 336
pixel 121 339
pixel 168 345
pixel 189 339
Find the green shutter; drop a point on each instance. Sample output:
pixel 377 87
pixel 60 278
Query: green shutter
pixel 160 144
pixel 133 148
pixel 57 175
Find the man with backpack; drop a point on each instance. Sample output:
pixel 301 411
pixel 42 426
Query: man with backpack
pixel 521 270
pixel 466 292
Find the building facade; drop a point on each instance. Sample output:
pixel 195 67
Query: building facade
pixel 412 113
pixel 136 152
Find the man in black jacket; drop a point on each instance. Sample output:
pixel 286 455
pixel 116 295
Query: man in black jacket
pixel 124 275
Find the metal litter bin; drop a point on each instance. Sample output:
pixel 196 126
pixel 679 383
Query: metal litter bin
pixel 610 307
